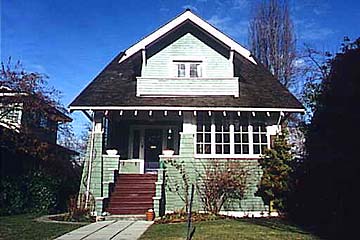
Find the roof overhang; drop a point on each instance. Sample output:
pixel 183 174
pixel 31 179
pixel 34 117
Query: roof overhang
pixel 187 15
pixel 164 108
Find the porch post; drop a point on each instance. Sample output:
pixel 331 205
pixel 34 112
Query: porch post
pixel 93 158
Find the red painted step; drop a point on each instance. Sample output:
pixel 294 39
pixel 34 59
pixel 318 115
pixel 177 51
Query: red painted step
pixel 132 194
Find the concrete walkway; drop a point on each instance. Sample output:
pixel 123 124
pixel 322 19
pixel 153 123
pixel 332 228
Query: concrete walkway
pixel 106 230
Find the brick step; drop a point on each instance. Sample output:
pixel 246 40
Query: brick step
pixel 135 184
pixel 130 191
pixel 137 176
pixel 137 203
pixel 129 208
pixel 136 181
pixel 134 196
pixel 127 211
pixel 134 189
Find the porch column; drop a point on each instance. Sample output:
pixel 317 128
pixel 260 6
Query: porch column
pixel 92 171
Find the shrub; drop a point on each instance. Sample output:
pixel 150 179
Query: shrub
pixel 13 197
pixel 35 192
pixel 77 212
pixel 221 181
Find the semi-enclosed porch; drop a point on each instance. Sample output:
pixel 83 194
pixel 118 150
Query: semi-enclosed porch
pixel 146 140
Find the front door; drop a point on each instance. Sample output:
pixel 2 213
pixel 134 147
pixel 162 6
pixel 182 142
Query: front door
pixel 153 147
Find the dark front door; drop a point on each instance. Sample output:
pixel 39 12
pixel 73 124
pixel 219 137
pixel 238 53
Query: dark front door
pixel 153 147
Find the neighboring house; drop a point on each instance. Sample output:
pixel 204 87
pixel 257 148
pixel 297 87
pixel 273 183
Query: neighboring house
pixel 186 87
pixel 26 135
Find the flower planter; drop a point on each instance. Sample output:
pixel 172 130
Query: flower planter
pixel 111 152
pixel 150 215
pixel 168 152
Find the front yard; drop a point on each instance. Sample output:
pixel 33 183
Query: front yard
pixel 230 230
pixel 25 227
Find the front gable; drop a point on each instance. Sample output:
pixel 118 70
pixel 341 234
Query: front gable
pixel 142 76
pixel 187 48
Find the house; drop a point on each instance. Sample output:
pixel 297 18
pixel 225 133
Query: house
pixel 26 135
pixel 186 87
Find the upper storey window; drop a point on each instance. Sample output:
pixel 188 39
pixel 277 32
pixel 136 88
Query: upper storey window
pixel 188 69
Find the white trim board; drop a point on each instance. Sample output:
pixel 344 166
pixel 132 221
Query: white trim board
pixel 159 108
pixel 187 15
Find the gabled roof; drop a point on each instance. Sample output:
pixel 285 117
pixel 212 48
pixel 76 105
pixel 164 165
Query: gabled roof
pixel 186 16
pixel 115 86
pixel 9 95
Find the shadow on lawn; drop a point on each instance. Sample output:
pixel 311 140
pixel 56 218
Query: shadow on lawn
pixel 277 224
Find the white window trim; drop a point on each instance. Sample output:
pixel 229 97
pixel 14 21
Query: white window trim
pixel 187 60
pixel 232 144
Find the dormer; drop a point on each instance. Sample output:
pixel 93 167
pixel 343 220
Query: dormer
pixel 187 57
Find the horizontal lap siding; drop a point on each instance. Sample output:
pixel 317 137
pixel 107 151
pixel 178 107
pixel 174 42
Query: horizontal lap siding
pixel 200 86
pixel 161 67
pixel 195 167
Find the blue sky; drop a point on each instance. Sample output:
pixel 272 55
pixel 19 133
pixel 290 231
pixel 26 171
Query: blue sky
pixel 72 41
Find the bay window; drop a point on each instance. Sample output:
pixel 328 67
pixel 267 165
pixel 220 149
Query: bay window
pixel 228 137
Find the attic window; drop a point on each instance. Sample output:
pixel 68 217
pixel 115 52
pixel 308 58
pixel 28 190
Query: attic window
pixel 188 69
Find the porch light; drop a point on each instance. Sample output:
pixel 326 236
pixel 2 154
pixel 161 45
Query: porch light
pixel 135 113
pixel 253 114
pixel 194 113
pixel 224 113
pixel 179 113
pixel 150 113
pixel 165 113
pixel 121 112
pixel 268 114
pixel 238 113
pixel 209 112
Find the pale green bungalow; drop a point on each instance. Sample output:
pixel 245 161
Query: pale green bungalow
pixel 186 93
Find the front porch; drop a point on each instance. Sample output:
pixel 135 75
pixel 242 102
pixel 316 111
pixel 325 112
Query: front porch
pixel 196 137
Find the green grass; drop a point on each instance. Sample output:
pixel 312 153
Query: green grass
pixel 230 229
pixel 25 227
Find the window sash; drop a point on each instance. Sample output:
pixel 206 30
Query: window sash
pixel 227 138
pixel 190 69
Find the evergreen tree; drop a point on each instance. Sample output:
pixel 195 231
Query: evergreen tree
pixel 276 184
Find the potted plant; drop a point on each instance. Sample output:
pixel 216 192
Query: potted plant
pixel 111 152
pixel 168 152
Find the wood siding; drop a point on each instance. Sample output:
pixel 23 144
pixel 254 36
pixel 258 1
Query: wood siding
pixel 158 77
pixel 187 86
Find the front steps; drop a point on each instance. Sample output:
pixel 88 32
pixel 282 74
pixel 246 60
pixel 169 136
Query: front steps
pixel 132 194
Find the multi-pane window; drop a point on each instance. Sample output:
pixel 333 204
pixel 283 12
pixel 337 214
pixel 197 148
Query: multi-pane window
pixel 195 70
pixel 181 70
pixel 203 137
pixel 259 139
pixel 190 69
pixel 241 138
pixel 224 137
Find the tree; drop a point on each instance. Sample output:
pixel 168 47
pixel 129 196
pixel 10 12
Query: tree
pixel 29 93
pixel 277 165
pixel 271 38
pixel 328 181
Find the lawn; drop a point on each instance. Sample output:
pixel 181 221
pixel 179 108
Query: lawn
pixel 229 229
pixel 25 227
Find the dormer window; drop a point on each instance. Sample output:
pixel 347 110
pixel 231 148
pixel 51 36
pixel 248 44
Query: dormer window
pixel 181 70
pixel 188 69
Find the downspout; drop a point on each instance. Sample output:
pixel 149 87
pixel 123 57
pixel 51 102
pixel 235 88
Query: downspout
pixel 87 193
